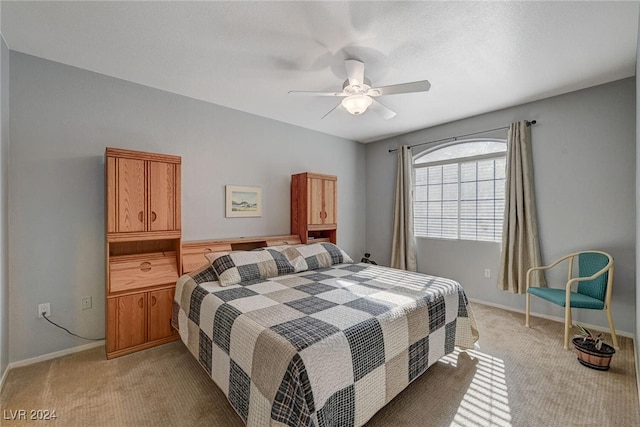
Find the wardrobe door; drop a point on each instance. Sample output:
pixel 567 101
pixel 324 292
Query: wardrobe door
pixel 160 310
pixel 132 320
pixel 162 196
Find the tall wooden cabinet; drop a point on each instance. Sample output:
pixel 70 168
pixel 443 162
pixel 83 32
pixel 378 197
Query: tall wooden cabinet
pixel 314 207
pixel 143 244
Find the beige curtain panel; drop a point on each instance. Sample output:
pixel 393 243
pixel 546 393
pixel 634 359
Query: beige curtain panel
pixel 520 242
pixel 403 251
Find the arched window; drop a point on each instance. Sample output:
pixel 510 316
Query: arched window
pixel 459 190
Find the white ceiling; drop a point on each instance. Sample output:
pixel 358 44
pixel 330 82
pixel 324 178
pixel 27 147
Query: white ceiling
pixel 478 56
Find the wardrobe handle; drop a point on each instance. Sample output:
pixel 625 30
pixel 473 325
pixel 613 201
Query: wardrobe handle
pixel 153 216
pixel 207 250
pixel 141 302
pixel 153 300
pixel 145 266
pixel 140 216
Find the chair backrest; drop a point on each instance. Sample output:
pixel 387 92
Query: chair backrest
pixel 590 263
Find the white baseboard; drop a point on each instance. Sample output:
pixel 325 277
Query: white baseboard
pixel 48 356
pixel 55 354
pixel 554 318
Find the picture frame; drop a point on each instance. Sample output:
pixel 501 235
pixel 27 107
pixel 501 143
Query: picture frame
pixel 243 201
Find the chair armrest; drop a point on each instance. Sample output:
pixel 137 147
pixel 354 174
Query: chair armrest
pixel 558 261
pixel 546 267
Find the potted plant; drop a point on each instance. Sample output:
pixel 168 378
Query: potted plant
pixel 592 350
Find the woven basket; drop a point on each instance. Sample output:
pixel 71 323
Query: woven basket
pixel 590 356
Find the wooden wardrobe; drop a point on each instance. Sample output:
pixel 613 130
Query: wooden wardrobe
pixel 143 244
pixel 314 207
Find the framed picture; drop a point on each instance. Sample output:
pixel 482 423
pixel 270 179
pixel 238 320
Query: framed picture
pixel 243 201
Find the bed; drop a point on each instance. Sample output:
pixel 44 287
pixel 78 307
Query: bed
pixel 317 340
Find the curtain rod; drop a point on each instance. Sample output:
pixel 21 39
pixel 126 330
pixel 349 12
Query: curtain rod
pixel 529 123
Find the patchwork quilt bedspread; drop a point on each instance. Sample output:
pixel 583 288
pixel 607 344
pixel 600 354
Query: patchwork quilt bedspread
pixel 325 347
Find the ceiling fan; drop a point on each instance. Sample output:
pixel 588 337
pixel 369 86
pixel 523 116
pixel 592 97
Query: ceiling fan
pixel 359 95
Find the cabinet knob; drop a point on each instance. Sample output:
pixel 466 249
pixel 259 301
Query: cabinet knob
pixel 153 300
pixel 140 216
pixel 141 302
pixel 207 250
pixel 145 266
pixel 153 216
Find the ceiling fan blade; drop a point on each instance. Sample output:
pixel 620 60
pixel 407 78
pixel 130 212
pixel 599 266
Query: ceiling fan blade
pixel 312 93
pixel 385 112
pixel 331 111
pixel 419 86
pixel 355 71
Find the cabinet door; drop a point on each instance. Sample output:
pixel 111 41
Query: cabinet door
pixel 160 308
pixel 315 188
pixel 322 201
pixel 329 199
pixel 131 320
pixel 130 183
pixel 162 196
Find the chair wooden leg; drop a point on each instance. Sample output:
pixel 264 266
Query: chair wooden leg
pixel 567 326
pixel 526 316
pixel 614 337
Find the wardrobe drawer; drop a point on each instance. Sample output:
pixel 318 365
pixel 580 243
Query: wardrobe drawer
pixel 192 262
pixel 140 271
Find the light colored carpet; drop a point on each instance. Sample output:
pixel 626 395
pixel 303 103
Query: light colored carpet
pixel 516 377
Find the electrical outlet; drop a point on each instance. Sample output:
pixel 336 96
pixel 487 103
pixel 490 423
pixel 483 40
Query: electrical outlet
pixel 487 273
pixel 44 309
pixel 86 303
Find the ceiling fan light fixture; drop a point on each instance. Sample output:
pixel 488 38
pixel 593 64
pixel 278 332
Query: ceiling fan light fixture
pixel 356 104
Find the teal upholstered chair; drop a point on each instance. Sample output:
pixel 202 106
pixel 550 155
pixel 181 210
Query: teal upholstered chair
pixel 594 284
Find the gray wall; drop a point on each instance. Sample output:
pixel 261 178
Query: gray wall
pixel 584 160
pixel 62 118
pixel 4 148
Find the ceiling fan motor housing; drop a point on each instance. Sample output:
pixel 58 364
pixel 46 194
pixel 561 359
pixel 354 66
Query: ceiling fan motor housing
pixel 356 89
